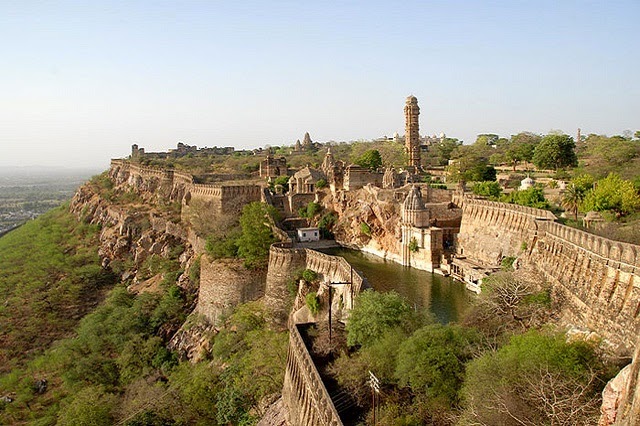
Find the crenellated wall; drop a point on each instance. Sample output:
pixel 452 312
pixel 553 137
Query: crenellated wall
pixel 490 231
pixel 599 278
pixel 285 264
pixel 307 400
pixel 172 185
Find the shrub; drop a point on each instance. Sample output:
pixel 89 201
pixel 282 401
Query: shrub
pixel 535 379
pixel 489 189
pixel 309 275
pixel 374 313
pixel 321 183
pixel 365 228
pixel 313 303
pixel 413 244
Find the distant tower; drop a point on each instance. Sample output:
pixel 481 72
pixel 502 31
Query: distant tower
pixel 578 136
pixel 412 135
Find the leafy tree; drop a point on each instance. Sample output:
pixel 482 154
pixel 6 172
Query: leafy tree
pixel 431 361
pixel 555 151
pixel 614 194
pixel 321 183
pixel 471 166
pixel 281 180
pixel 313 303
pixel 257 237
pixel 535 379
pixel 90 406
pixel 487 189
pixel 442 151
pixel 326 223
pixel 521 147
pixel 531 197
pixel 309 275
pixel 487 139
pixel 374 313
pixel 370 159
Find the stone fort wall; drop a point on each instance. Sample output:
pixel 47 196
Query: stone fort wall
pixel 598 278
pixel 307 400
pixel 286 262
pixel 171 185
pixel 490 231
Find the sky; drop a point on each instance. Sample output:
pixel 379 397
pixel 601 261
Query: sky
pixel 80 81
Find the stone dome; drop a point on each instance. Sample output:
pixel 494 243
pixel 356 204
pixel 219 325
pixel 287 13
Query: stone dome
pixel 413 200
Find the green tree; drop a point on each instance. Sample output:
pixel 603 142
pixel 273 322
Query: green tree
pixel 487 189
pixel 374 313
pixel 471 165
pixel 257 236
pixel 487 139
pixel 432 360
pixel 613 194
pixel 572 198
pixel 521 147
pixel 555 151
pixel 443 151
pixel 531 197
pixel 370 159
pixel 535 379
pixel 90 406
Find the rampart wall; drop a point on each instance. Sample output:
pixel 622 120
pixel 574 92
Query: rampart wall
pixel 597 277
pixel 285 264
pixel 307 400
pixel 490 231
pixel 174 185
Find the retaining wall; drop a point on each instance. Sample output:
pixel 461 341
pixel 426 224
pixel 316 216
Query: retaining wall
pixel 307 400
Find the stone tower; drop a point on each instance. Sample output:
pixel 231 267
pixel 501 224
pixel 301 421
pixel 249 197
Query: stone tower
pixel 412 135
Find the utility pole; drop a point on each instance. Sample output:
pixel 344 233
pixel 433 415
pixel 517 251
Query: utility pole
pixel 374 383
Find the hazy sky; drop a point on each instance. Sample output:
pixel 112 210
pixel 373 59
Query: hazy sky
pixel 80 81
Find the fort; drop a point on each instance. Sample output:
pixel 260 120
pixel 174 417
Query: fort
pixel 449 232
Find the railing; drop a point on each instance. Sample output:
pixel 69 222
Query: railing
pixel 312 402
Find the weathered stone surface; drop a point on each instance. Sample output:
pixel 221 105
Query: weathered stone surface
pixel 225 284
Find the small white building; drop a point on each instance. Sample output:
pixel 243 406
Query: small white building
pixel 308 234
pixel 526 183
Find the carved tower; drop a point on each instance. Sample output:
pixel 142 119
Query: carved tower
pixel 412 135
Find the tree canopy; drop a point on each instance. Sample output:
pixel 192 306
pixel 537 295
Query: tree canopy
pixel 257 236
pixel 373 314
pixel 554 152
pixel 370 159
pixel 613 194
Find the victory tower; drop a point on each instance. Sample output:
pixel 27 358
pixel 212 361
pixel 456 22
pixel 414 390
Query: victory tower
pixel 412 135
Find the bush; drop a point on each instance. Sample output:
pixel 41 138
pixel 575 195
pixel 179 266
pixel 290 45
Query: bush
pixel 321 183
pixel 309 275
pixel 531 197
pixel 326 223
pixel 535 379
pixel 489 189
pixel 365 229
pixel 413 245
pixel 313 303
pixel 256 237
pixel 432 360
pixel 374 313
